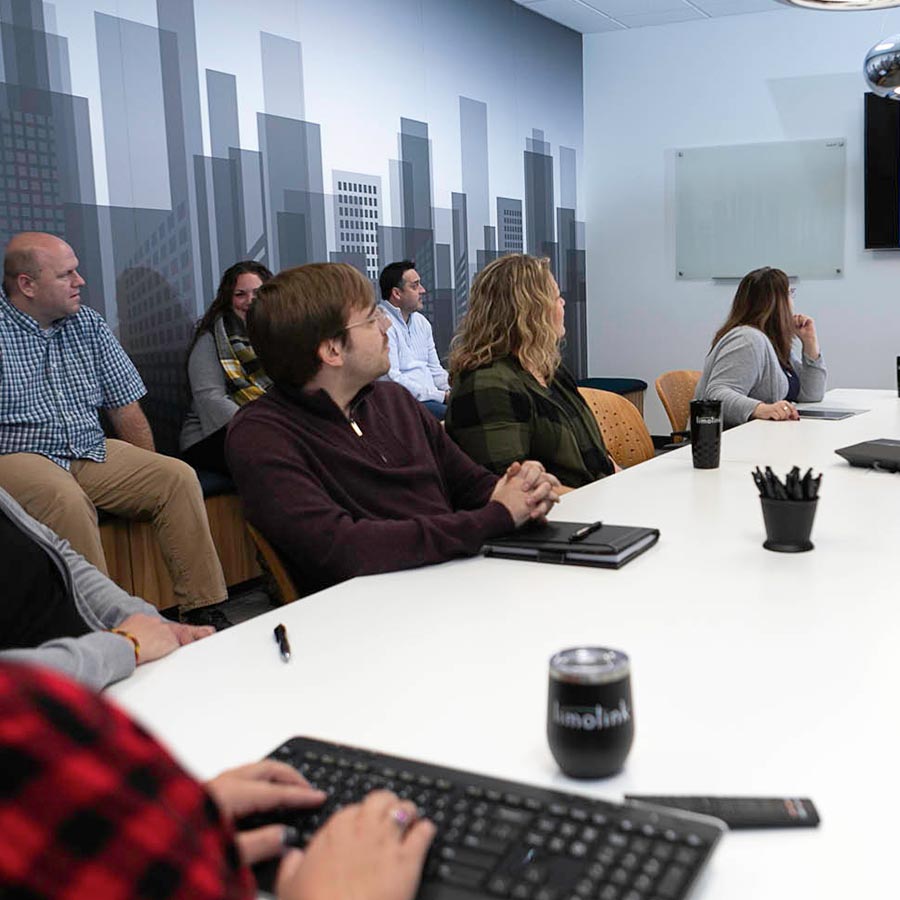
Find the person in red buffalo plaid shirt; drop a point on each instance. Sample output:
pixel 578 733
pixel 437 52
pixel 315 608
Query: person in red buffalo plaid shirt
pixel 91 806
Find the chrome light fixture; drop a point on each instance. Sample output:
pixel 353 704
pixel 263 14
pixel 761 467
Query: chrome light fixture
pixel 882 68
pixel 841 4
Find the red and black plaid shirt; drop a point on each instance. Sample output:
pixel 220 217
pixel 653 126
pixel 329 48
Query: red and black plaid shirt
pixel 91 806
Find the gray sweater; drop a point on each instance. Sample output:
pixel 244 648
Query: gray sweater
pixel 97 659
pixel 742 371
pixel 211 404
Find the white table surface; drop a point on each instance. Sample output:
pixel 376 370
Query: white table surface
pixel 753 672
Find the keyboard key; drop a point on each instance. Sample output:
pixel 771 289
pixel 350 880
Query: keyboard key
pixel 546 893
pixel 500 885
pixel 578 850
pixel 522 892
pixel 643 883
pixel 516 816
pixel 670 884
pixel 468 857
pixel 485 844
pixel 453 873
pixel 534 874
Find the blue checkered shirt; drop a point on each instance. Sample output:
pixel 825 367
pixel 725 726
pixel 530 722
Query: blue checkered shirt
pixel 53 381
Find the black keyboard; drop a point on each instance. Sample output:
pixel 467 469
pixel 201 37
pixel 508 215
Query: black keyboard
pixel 504 839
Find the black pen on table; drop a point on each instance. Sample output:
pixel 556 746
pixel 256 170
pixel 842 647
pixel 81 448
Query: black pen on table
pixel 284 647
pixel 584 531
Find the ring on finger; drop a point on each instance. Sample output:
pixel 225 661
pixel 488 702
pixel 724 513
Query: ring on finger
pixel 402 818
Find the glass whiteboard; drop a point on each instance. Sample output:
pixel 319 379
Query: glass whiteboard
pixel 780 204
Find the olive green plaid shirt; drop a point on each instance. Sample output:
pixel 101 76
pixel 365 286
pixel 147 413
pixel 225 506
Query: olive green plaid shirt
pixel 500 414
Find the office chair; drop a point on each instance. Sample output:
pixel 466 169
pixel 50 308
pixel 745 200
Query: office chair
pixel 280 582
pixel 623 429
pixel 675 389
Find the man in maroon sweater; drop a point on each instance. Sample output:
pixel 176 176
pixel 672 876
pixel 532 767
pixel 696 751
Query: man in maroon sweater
pixel 346 475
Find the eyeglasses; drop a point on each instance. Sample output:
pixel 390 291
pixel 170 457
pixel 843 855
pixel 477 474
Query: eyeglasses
pixel 379 315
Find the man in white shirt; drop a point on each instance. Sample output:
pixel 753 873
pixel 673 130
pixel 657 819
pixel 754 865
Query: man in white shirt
pixel 414 360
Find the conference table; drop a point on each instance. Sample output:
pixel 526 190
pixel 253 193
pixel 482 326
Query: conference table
pixel 753 672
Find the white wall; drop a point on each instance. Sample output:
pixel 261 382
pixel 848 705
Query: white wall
pixel 776 76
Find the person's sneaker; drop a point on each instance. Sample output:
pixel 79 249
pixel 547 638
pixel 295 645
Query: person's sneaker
pixel 207 615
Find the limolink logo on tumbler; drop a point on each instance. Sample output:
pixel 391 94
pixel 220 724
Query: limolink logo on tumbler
pixel 591 718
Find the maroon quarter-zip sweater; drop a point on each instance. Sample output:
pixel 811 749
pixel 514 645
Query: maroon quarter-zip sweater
pixel 336 501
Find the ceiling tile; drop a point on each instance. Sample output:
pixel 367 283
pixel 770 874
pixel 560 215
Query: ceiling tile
pixel 661 18
pixel 574 15
pixel 737 7
pixel 619 8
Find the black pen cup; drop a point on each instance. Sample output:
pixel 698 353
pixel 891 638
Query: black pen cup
pixel 788 524
pixel 706 433
pixel 590 723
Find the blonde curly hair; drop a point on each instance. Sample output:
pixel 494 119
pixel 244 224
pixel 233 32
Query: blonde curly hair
pixel 511 312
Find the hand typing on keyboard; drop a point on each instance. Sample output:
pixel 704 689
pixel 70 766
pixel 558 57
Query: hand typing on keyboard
pixel 372 850
pixel 259 788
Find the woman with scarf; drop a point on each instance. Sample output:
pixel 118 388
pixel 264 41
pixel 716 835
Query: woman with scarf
pixel 223 370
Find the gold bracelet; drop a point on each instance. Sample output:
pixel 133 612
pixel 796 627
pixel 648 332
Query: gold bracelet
pixel 133 639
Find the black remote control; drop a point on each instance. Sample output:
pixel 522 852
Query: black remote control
pixel 744 812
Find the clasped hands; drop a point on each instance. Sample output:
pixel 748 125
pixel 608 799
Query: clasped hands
pixel 372 850
pixel 527 490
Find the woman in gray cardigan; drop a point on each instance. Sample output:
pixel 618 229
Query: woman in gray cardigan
pixel 223 370
pixel 751 367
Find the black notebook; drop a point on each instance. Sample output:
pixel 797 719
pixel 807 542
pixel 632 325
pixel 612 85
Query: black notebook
pixel 608 546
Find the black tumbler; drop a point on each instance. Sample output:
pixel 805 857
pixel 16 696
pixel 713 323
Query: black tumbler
pixel 706 433
pixel 590 723
pixel 898 376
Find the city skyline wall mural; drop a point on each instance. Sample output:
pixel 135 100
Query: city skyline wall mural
pixel 167 139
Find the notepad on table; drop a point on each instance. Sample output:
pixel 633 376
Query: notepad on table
pixel 608 546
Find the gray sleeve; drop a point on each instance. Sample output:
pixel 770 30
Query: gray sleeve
pixel 813 376
pixel 207 379
pixel 96 660
pixel 734 370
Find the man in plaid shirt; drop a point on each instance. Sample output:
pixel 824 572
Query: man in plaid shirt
pixel 59 365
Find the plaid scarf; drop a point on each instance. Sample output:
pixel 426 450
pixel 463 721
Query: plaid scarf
pixel 244 373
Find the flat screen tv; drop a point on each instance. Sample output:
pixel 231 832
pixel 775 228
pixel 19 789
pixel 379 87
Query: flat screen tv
pixel 882 173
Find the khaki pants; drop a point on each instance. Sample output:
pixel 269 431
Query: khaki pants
pixel 134 484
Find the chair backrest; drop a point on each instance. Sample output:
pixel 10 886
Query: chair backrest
pixel 623 429
pixel 675 389
pixel 272 565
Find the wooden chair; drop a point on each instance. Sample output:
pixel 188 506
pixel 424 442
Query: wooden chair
pixel 675 389
pixel 273 567
pixel 621 425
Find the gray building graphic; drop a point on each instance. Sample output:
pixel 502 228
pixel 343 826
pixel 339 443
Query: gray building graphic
pixel 183 204
pixel 358 203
